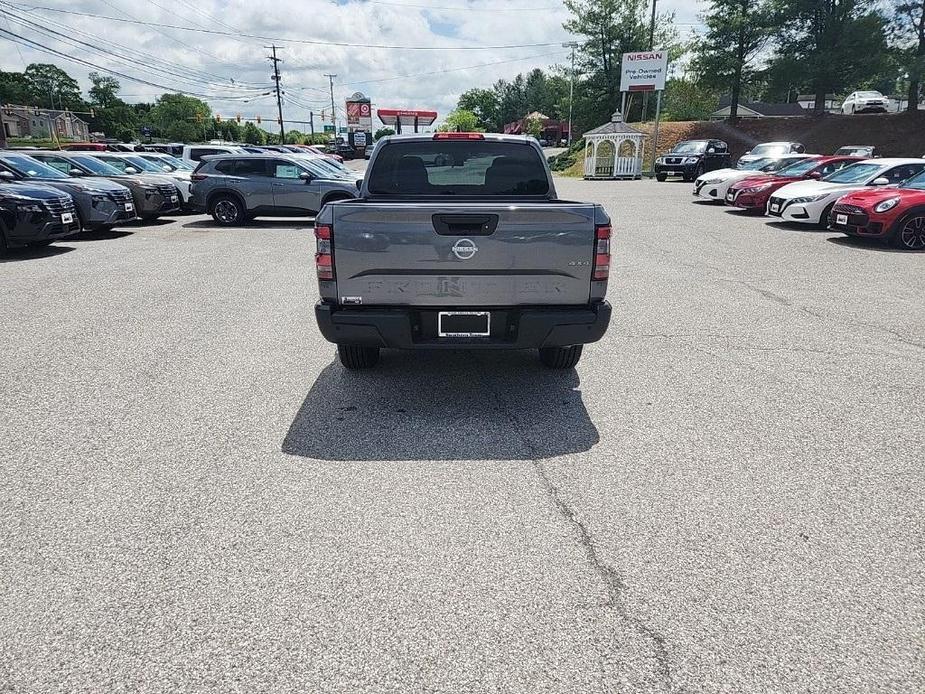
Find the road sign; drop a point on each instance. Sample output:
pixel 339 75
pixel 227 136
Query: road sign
pixel 644 71
pixel 359 139
pixel 329 128
pixel 343 129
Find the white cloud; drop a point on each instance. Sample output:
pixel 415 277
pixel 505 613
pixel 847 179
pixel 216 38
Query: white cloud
pixel 371 70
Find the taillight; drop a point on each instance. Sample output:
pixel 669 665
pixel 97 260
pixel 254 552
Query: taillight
pixel 459 136
pixel 601 252
pixel 324 252
pixel 198 177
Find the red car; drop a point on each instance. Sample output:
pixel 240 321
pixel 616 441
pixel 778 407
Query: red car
pixel 895 214
pixel 752 193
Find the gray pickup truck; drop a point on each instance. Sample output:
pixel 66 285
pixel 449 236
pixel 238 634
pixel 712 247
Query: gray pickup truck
pixel 458 241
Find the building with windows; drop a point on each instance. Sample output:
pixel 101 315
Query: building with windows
pixel 552 130
pixel 38 123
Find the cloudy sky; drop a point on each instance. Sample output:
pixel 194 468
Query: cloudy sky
pixel 457 44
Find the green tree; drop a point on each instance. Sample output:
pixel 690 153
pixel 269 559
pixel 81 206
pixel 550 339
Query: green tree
pixel 111 115
pixel 688 100
pixel 909 34
pixel 737 32
pixel 534 127
pixel 829 46
pixel 253 135
pixel 295 137
pixel 484 104
pixel 608 29
pixel 52 87
pixel 383 132
pixel 181 118
pixel 460 121
pixel 15 89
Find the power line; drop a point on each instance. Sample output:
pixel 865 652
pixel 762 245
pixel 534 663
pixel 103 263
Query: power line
pixel 455 69
pixel 29 43
pixel 493 9
pixel 174 72
pixel 150 64
pixel 275 39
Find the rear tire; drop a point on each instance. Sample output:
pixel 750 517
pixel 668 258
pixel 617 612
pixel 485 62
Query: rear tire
pixel 357 357
pixel 560 357
pixel 660 177
pixel 227 211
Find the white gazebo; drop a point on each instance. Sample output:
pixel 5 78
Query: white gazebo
pixel 614 150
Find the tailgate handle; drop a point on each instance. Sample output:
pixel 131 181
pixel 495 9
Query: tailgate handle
pixel 465 224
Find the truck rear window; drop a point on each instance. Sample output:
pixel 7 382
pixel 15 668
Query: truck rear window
pixel 478 167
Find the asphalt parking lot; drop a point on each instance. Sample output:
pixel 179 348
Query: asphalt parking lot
pixel 725 496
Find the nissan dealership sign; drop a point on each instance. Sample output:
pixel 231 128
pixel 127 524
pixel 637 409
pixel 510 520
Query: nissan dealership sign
pixel 644 71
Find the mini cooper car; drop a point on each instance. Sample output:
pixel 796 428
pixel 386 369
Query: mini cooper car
pixel 893 214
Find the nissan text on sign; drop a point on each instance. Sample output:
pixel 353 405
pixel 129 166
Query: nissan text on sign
pixel 644 71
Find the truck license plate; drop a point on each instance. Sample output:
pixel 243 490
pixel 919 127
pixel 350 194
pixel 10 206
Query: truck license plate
pixel 67 218
pixel 463 324
pixel 129 207
pixel 841 219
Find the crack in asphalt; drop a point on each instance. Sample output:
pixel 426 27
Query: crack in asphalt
pixel 613 580
pixel 871 326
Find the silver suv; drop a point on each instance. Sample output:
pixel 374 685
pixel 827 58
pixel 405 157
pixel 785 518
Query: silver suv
pixel 235 188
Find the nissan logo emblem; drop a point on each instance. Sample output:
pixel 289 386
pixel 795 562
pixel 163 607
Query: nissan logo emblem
pixel 465 249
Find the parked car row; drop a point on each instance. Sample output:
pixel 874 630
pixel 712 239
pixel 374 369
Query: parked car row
pixel 875 198
pixel 46 195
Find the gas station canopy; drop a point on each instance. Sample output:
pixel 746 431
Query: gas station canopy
pixel 396 118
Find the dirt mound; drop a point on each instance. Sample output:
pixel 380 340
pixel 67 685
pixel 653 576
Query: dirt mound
pixel 894 134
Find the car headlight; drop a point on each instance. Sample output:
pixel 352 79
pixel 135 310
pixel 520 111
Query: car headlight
pixel 808 198
pixel 886 205
pixel 757 189
pixel 689 160
pixel 712 181
pixel 660 160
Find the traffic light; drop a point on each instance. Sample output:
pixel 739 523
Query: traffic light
pixel 258 120
pixel 239 118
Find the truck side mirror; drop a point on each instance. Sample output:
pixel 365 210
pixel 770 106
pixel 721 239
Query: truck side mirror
pixel 881 181
pixel 305 176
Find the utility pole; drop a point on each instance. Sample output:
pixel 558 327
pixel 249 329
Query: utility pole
pixel 279 93
pixel 571 88
pixel 645 103
pixel 333 112
pixel 311 123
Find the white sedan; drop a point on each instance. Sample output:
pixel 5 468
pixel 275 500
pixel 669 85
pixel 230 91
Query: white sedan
pixel 714 184
pixel 865 102
pixel 809 202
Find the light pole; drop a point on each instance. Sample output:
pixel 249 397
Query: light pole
pixel 571 88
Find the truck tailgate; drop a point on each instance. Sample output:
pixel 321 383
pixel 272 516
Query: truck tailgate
pixel 468 254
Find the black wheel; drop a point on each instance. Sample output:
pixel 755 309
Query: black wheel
pixel 560 357
pixel 824 219
pixel 660 177
pixel 228 211
pixel 698 172
pixel 910 235
pixel 358 356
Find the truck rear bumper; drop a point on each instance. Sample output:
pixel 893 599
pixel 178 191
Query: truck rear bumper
pixel 511 328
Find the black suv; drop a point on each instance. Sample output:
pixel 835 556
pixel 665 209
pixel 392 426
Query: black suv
pixel 33 215
pixel 691 158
